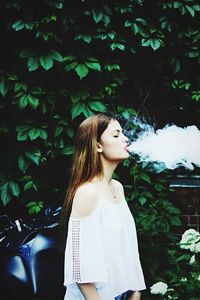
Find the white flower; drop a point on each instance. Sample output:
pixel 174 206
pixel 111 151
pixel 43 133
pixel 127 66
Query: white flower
pixel 197 247
pixel 191 240
pixel 192 259
pixel 159 288
pixel 183 279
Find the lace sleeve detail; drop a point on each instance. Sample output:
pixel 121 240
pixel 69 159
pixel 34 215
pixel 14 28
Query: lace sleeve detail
pixel 84 253
pixel 76 250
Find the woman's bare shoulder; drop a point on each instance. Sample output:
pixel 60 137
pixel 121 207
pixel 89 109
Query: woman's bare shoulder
pixel 118 184
pixel 85 200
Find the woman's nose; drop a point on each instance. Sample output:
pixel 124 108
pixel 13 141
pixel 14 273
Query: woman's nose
pixel 125 138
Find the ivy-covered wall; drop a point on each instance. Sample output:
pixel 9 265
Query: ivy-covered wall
pixel 61 61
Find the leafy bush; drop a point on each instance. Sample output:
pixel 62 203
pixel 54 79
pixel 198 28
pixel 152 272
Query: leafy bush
pixel 62 61
pixel 183 276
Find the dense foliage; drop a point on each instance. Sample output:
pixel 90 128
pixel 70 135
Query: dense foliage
pixel 61 61
pixel 183 276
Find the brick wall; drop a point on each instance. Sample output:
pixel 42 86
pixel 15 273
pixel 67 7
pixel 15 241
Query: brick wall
pixel 188 201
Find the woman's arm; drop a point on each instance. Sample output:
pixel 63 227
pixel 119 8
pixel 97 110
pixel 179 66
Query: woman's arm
pixel 135 296
pixel 89 291
pixel 85 202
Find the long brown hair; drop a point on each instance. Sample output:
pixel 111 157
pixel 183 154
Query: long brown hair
pixel 86 162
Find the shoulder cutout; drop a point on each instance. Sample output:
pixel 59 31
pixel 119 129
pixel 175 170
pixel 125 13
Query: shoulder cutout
pixel 85 201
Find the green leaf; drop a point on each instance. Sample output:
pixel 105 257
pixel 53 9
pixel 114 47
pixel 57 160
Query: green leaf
pixel 59 5
pixel 112 35
pixel 127 23
pixel 175 221
pixel 33 64
pixel 44 36
pixel 159 187
pixel 148 194
pixel 5 197
pixel 97 106
pixel 14 187
pixel 22 136
pixel 87 111
pixel 136 29
pixel 23 164
pixel 141 21
pixel 196 7
pixel 31 203
pixel 87 38
pixel 145 42
pixel 97 16
pixel 71 66
pixel 177 4
pixel 37 90
pixel 29 185
pixel 77 109
pixel 120 46
pixel 92 65
pixel 18 25
pixel 29 25
pixel 106 20
pixel 37 209
pixel 32 101
pixel 76 96
pixel 34 133
pixel 34 207
pixel 155 44
pixel 58 131
pixel 112 67
pixel 177 66
pixel 56 56
pixel 190 10
pixel 183 257
pixel 43 134
pixel 126 162
pixel 183 10
pixel 20 86
pixel 46 62
pixel 81 70
pixel 142 200
pixel 34 156
pixel 145 177
pixel 23 101
pixel 70 132
pixel 3 88
pixel 67 150
pixel 69 58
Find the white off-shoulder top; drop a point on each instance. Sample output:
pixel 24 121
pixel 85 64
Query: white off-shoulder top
pixel 102 248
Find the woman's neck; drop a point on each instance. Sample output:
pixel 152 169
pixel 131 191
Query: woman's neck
pixel 108 170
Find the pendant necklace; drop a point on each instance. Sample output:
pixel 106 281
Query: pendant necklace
pixel 112 192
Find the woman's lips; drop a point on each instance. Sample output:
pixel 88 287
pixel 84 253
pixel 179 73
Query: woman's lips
pixel 126 149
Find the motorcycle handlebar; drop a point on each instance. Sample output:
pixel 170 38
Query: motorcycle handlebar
pixel 18 225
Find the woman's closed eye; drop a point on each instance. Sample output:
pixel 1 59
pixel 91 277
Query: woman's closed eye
pixel 116 133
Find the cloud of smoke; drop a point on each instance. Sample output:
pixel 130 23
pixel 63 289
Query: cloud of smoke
pixel 170 147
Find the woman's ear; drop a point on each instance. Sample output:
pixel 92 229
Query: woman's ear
pixel 99 148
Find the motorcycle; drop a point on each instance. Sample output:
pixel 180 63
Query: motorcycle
pixel 31 266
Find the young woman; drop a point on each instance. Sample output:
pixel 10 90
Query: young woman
pixel 101 255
